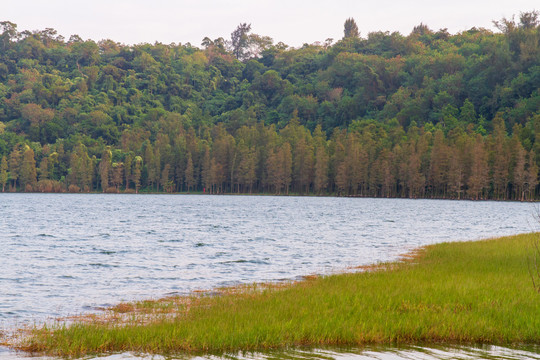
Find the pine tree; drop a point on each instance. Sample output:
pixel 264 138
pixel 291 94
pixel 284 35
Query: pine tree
pixel 128 172
pixel 246 167
pixel 519 174
pixel 320 181
pixel 3 173
pixel 14 166
pixel 206 168
pixel 28 175
pixel 137 168
pixel 189 178
pixel 479 179
pixel 532 175
pixel 81 169
pixel 117 175
pixel 350 29
pixel 285 157
pixel 438 166
pixel 166 182
pixel 105 168
pixel 303 165
pixel 149 162
pixel 43 171
pixel 415 178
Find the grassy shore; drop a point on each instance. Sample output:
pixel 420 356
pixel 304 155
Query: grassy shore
pixel 471 292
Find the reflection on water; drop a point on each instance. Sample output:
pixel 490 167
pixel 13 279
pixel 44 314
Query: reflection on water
pixel 382 353
pixel 402 353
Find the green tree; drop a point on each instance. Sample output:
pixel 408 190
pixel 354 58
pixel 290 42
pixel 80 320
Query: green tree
pixel 279 168
pixel 320 181
pixel 15 158
pixel 117 175
pixel 240 41
pixel 137 169
pixel 479 179
pixel 28 175
pixel 166 182
pixel 189 177
pixel 128 170
pixel 43 170
pixel 531 175
pixel 350 29
pixel 3 173
pixel 246 166
pixel 438 166
pixel 81 168
pixel 206 169
pixel 105 168
pixel 303 165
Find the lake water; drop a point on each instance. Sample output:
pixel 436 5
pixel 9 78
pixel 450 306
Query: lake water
pixel 66 254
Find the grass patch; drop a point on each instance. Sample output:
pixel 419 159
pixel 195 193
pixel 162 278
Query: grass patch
pixel 471 292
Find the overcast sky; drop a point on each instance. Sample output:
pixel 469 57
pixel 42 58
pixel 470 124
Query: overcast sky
pixel 292 22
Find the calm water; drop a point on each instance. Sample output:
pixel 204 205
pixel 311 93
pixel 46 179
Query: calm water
pixel 69 254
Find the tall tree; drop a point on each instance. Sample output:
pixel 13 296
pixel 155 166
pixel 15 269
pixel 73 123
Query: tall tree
pixel 28 170
pixel 105 168
pixel 189 177
pixel 3 173
pixel 456 174
pixel 519 174
pixel 117 175
pixel 128 170
pixel 415 179
pixel 479 179
pixel 303 165
pixel 137 169
pixel 438 167
pixel 279 168
pixel 240 41
pixel 206 168
pixel 350 29
pixel 532 175
pixel 320 181
pixel 501 160
pixel 43 170
pixel 81 168
pixel 150 164
pixel 15 165
pixel 246 167
pixel 166 182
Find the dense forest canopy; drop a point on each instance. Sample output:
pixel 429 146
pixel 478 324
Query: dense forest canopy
pixel 429 114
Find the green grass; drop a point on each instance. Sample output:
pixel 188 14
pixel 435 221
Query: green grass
pixel 471 292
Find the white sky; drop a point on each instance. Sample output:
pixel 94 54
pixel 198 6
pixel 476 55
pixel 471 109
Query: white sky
pixel 292 22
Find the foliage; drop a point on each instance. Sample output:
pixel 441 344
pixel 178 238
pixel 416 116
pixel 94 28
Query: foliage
pixel 350 29
pixel 429 114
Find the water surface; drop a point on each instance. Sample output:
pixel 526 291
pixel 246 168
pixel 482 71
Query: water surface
pixel 66 254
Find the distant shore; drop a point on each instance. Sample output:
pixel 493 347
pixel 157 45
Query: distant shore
pixel 325 195
pixel 470 292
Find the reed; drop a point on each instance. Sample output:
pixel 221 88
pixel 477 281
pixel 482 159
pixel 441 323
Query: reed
pixel 467 292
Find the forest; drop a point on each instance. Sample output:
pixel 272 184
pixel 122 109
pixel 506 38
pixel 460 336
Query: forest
pixel 424 115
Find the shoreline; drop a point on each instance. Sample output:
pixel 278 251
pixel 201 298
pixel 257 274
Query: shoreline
pixel 532 201
pixel 440 295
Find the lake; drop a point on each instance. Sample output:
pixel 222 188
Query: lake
pixel 67 254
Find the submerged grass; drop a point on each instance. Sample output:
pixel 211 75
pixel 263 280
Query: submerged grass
pixel 471 292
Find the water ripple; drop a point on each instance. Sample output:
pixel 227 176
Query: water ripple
pixel 67 253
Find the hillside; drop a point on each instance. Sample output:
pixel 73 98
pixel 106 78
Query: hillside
pixel 430 114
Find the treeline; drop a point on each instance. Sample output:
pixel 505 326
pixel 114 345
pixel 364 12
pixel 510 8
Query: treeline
pixel 369 159
pixel 429 114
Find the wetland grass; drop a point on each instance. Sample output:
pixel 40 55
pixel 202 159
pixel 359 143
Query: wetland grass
pixel 466 292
